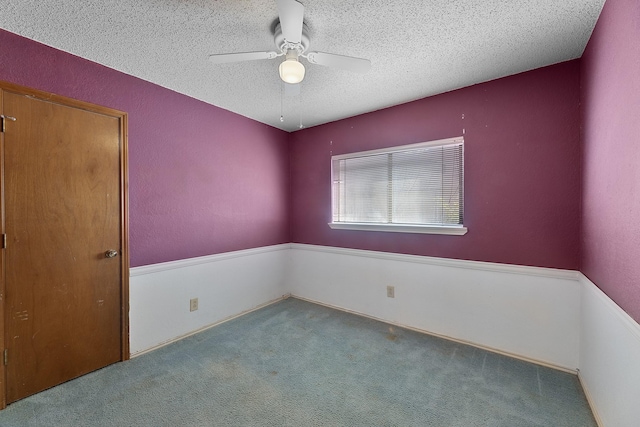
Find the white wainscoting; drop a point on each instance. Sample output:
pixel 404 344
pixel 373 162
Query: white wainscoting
pixel 609 359
pixel 527 312
pixel 554 317
pixel 226 285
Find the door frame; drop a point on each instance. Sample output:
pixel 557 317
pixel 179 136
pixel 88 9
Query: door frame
pixel 124 216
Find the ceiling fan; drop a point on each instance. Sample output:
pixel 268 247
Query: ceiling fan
pixel 292 41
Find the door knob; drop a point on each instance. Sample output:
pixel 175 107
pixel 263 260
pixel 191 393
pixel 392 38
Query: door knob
pixel 110 253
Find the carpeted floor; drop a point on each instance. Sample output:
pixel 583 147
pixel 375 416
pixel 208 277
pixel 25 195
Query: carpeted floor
pixel 299 364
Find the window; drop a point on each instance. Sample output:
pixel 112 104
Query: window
pixel 414 188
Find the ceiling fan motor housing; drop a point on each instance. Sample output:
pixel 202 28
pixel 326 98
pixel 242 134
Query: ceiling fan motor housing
pixel 284 46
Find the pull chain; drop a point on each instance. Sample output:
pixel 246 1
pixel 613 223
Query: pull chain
pixel 281 101
pixel 300 108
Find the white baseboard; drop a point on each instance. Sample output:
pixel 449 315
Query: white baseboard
pixel 197 331
pixel 609 359
pixel 422 331
pixel 592 403
pixel 527 312
pixel 225 284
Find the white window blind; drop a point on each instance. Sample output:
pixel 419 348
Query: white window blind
pixel 418 184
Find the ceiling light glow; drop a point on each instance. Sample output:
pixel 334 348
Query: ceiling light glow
pixel 291 70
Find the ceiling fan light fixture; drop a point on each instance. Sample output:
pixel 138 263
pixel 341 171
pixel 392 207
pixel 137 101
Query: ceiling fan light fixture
pixel 291 70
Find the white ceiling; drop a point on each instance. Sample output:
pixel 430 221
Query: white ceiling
pixel 417 48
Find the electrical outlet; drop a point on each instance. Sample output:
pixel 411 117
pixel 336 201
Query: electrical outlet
pixel 391 291
pixel 193 304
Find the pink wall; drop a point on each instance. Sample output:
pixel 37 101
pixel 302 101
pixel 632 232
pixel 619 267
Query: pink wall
pixel 522 175
pixel 190 190
pixel 610 70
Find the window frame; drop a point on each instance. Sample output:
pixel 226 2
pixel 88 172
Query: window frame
pixel 446 229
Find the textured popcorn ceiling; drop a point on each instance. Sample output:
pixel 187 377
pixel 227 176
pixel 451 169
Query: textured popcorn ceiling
pixel 417 48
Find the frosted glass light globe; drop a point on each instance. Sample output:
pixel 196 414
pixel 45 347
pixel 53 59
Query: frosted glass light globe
pixel 291 71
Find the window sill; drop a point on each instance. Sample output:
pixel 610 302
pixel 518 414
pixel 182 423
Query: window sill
pixel 452 230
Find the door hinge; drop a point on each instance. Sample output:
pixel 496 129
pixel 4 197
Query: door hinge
pixel 4 241
pixel 5 358
pixel 4 119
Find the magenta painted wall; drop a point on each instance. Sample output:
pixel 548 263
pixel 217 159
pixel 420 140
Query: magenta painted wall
pixel 611 155
pixel 202 180
pixel 522 174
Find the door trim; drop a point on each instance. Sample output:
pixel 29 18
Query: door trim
pixel 124 215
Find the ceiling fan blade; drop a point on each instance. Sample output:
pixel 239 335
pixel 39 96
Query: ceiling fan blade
pixel 291 90
pixel 350 63
pixel 291 18
pixel 225 58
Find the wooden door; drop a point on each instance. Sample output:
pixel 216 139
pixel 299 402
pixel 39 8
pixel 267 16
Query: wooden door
pixel 63 209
